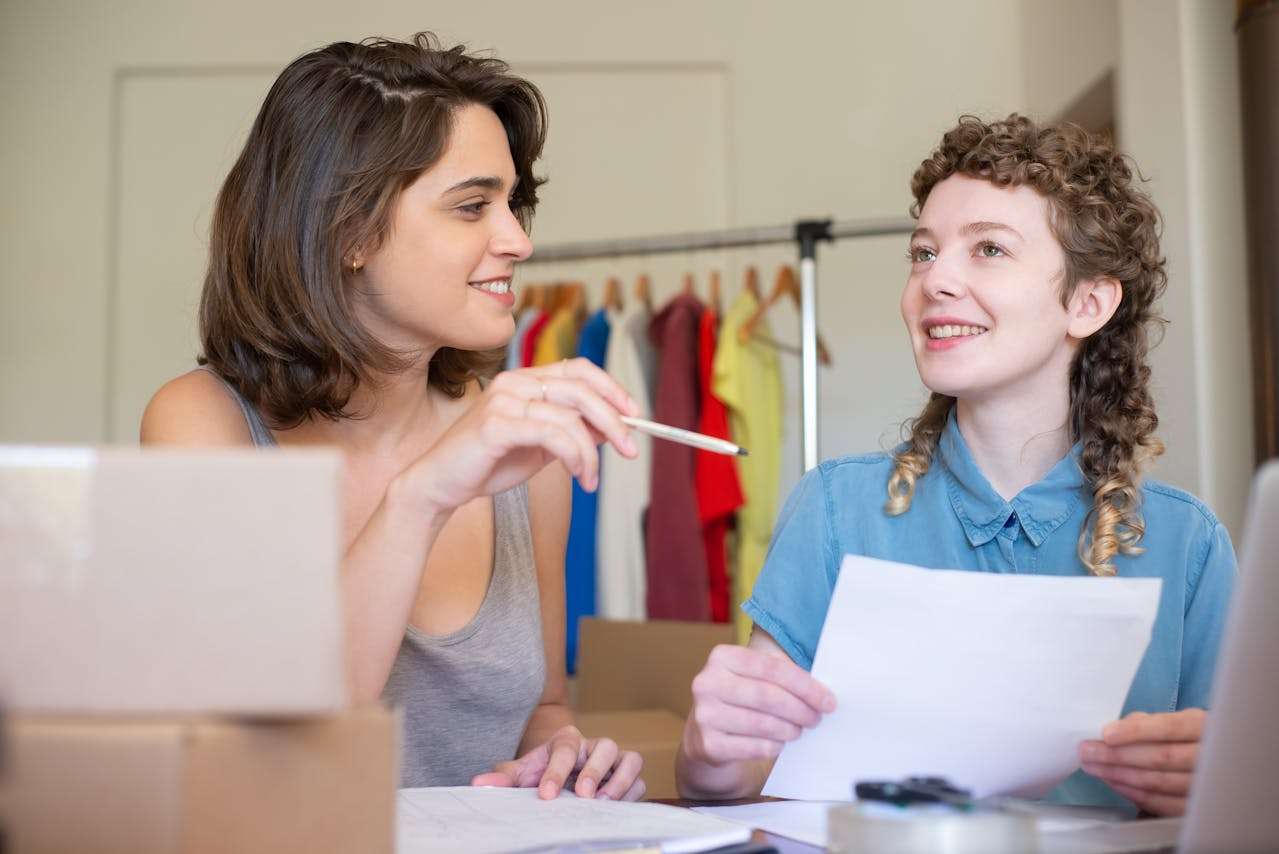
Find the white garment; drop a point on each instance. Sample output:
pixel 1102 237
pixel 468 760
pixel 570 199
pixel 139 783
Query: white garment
pixel 621 583
pixel 515 348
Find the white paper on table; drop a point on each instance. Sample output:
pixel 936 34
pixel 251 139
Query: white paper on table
pixel 804 821
pixel 476 820
pixel 988 679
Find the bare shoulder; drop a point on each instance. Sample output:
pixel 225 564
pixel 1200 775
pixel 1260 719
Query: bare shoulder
pixel 194 409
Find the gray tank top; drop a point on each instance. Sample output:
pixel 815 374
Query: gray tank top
pixel 466 696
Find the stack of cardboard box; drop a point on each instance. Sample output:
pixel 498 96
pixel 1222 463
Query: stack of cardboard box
pixel 634 685
pixel 171 659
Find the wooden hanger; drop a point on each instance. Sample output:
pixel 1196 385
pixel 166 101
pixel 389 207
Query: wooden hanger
pixel 786 284
pixel 613 294
pixel 690 285
pixel 752 283
pixel 715 302
pixel 530 297
pixel 644 291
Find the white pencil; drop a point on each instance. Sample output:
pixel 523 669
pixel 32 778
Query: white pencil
pixel 684 437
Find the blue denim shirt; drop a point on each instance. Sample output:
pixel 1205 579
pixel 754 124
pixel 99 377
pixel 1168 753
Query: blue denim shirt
pixel 958 521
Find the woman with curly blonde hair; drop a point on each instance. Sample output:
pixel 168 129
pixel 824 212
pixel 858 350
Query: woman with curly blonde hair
pixel 1034 278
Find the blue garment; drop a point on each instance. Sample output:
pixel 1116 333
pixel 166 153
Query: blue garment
pixel 579 558
pixel 958 521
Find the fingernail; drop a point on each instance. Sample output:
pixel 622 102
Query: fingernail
pixel 546 791
pixel 1090 752
pixel 588 788
pixel 603 796
pixel 630 447
pixel 828 704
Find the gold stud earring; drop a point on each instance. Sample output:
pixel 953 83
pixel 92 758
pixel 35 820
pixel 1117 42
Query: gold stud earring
pixel 355 268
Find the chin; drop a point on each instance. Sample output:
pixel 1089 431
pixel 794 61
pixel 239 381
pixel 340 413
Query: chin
pixel 491 338
pixel 950 386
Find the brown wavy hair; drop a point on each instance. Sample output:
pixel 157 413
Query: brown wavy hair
pixel 342 132
pixel 1107 227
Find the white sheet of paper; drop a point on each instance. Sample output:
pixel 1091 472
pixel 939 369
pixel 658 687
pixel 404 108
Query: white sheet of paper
pixel 470 820
pixel 804 821
pixel 988 679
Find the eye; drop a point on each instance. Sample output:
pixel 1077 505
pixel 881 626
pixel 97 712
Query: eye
pixel 474 209
pixel 920 254
pixel 986 249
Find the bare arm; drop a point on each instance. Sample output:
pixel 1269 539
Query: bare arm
pixel 550 507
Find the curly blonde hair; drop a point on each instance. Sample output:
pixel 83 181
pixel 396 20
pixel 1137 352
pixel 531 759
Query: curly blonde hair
pixel 1107 227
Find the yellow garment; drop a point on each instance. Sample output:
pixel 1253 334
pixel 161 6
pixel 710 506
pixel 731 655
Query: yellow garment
pixel 558 339
pixel 748 378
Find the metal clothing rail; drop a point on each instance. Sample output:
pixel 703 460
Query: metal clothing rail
pixel 805 233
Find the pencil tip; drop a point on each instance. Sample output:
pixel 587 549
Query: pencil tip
pixel 742 452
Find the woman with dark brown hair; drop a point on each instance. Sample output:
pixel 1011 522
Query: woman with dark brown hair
pixel 360 280
pixel 1034 278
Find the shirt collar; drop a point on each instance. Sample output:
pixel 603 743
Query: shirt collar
pixel 1041 507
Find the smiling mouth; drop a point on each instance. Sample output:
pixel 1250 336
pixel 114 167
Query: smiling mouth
pixel 955 331
pixel 502 286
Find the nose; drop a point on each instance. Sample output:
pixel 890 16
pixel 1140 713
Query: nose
pixel 944 280
pixel 510 240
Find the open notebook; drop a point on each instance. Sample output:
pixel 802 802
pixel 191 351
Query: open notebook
pixel 487 821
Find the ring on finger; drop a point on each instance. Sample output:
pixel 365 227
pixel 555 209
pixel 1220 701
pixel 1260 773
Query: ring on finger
pixel 543 391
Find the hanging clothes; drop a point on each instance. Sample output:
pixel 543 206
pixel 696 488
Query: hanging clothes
pixel 529 347
pixel 676 553
pixel 719 491
pixel 621 582
pixel 747 378
pixel 515 347
pixel 559 339
pixel 579 557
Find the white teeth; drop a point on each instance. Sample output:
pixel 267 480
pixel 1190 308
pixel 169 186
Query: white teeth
pixel 954 331
pixel 500 287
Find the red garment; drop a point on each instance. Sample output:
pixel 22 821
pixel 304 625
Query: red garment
pixel 719 491
pixel 675 554
pixel 530 340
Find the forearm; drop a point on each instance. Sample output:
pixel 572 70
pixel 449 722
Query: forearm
pixel 381 573
pixel 700 780
pixel 546 720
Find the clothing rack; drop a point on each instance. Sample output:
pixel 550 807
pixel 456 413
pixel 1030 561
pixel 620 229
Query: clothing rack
pixel 805 233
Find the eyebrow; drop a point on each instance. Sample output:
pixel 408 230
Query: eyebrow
pixel 979 227
pixel 485 182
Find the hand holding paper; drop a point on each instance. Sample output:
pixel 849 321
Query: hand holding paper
pixel 990 680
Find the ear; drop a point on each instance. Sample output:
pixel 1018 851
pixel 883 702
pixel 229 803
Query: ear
pixel 1092 305
pixel 354 260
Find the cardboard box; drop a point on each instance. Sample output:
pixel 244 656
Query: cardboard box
pixel 634 685
pixel 653 733
pixel 204 786
pixel 170 581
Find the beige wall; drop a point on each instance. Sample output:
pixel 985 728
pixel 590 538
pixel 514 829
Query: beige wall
pixel 1066 47
pixel 718 113
pixel 1179 118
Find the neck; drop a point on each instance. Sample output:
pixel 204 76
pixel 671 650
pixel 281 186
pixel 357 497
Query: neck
pixel 395 411
pixel 1015 444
